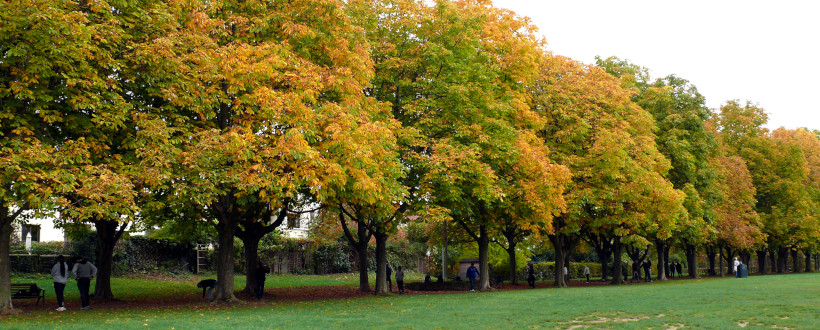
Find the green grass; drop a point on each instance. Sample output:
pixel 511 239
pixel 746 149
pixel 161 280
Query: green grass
pixel 135 288
pixel 791 301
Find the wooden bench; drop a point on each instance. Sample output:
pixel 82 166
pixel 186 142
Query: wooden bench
pixel 27 290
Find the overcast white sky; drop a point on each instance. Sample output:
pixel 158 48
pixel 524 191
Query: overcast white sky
pixel 763 51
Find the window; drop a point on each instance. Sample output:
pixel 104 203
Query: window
pixel 294 221
pixel 33 229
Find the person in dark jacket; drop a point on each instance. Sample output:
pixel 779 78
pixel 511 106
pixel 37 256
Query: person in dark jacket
pixel 472 273
pixel 647 269
pixel 400 280
pixel 83 271
pixel 259 276
pixel 389 281
pixel 531 275
pixel 679 268
pixel 60 274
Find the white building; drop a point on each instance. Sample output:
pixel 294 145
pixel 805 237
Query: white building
pixel 298 226
pixel 41 230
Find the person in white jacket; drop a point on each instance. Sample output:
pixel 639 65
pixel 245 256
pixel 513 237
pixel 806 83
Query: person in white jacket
pixel 60 274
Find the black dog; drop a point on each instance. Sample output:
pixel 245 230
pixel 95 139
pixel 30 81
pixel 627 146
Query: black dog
pixel 205 284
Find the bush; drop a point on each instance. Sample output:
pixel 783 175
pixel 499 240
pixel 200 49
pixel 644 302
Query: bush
pixel 41 248
pixel 137 254
pixel 331 258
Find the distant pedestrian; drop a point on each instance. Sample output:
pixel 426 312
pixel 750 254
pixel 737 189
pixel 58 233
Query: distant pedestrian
pixel 389 281
pixel 586 272
pixel 566 276
pixel 647 269
pixel 60 274
pixel 679 268
pixel 83 271
pixel 400 280
pixel 259 276
pixel 472 273
pixel 636 272
pixel 531 275
pixel 734 268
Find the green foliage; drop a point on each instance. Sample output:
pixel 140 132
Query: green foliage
pixel 138 254
pixel 41 248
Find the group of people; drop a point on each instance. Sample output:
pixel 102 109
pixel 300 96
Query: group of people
pixel 675 267
pixel 636 271
pixel 82 271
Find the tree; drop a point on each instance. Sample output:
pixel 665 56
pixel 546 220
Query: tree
pixel 680 114
pixel 454 74
pixel 778 169
pixel 266 96
pixel 606 141
pixel 60 89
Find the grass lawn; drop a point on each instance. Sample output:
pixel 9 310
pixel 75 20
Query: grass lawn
pixel 136 288
pixel 783 301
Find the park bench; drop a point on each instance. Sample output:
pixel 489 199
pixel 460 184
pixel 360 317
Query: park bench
pixel 27 290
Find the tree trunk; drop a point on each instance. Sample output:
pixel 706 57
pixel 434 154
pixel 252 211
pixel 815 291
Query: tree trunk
pixel 358 244
pixel 729 260
pixel 807 256
pixel 666 260
pixel 617 252
pixel 761 261
pixel 773 260
pixel 661 247
pixel 444 256
pixel 226 229
pixel 710 256
pixel 558 245
pixel 5 262
pixel 250 245
pixel 692 260
pixel 361 252
pixel 511 253
pixel 782 255
pixel 603 248
pixel 720 260
pixel 381 263
pixel 108 233
pixel 483 258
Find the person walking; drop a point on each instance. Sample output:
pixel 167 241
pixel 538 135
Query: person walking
pixel 400 280
pixel 389 282
pixel 83 271
pixel 647 269
pixel 472 273
pixel 734 268
pixel 531 275
pixel 60 274
pixel 586 272
pixel 259 276
pixel 566 276
pixel 679 269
